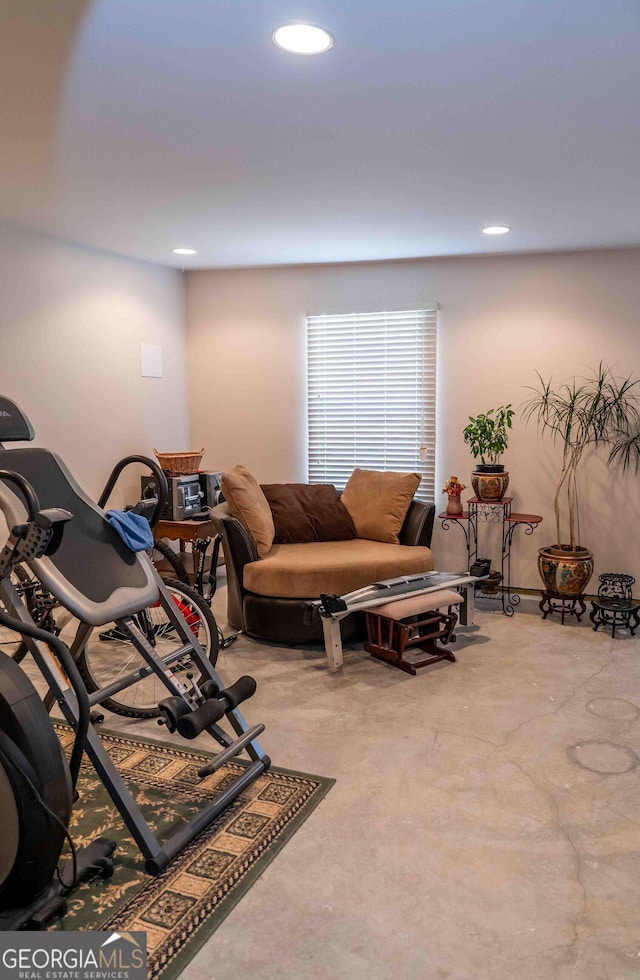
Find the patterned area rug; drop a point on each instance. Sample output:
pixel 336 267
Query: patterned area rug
pixel 181 908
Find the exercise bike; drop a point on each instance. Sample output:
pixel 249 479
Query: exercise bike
pixel 90 572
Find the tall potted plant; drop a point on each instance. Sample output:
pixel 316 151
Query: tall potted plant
pixel 583 414
pixel 487 436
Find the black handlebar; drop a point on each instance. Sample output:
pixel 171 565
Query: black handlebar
pixel 29 494
pixel 160 478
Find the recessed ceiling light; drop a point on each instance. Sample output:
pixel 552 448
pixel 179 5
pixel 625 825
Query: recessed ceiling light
pixel 302 39
pixel 184 251
pixel 496 230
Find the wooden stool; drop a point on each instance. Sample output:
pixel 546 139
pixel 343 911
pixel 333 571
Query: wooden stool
pixel 415 622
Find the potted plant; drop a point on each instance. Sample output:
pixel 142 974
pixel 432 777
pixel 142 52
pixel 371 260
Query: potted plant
pixel 583 414
pixel 487 436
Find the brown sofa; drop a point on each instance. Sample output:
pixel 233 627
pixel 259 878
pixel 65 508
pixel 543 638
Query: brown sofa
pixel 268 597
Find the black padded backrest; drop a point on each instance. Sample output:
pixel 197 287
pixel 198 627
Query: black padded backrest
pixel 14 424
pixel 92 557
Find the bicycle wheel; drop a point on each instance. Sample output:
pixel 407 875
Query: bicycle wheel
pixel 108 654
pixel 168 563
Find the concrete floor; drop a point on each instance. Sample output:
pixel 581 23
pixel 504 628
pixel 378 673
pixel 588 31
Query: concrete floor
pixel 485 822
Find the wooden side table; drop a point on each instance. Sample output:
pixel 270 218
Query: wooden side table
pixel 186 532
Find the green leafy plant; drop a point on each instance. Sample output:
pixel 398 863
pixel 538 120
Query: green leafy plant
pixel 487 435
pixel 586 413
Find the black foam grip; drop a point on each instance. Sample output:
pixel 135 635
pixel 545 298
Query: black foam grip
pixel 210 689
pixel 191 725
pixel 243 689
pixel 172 710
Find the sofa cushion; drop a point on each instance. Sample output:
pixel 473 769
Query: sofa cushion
pixel 308 512
pixel 303 571
pixel 248 504
pixel 378 502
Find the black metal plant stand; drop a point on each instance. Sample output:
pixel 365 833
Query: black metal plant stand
pixel 573 605
pixel 493 512
pixel 615 605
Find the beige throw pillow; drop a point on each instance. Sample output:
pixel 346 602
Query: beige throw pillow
pixel 249 505
pixel 378 502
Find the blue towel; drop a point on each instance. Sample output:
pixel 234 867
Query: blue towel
pixel 134 530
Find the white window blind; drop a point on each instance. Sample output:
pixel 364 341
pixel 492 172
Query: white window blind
pixel 372 395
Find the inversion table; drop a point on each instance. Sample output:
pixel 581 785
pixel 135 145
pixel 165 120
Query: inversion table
pixel 99 580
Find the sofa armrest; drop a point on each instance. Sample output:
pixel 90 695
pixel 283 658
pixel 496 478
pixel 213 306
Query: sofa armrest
pixel 239 549
pixel 418 524
pixel 242 544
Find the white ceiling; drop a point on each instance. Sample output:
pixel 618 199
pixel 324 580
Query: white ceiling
pixel 141 125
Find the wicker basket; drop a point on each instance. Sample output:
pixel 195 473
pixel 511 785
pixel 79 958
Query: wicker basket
pixel 180 462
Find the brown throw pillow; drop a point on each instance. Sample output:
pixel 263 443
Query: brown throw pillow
pixel 248 505
pixel 378 502
pixel 305 512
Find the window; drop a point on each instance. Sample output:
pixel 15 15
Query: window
pixel 371 395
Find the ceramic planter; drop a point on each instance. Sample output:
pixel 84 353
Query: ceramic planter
pixel 563 571
pixel 489 486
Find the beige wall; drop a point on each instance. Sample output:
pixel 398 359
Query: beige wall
pixel 71 321
pixel 501 319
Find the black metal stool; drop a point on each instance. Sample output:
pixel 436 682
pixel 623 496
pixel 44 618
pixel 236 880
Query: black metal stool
pixel 615 605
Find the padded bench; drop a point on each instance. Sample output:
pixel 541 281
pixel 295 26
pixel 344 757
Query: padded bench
pixel 417 621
